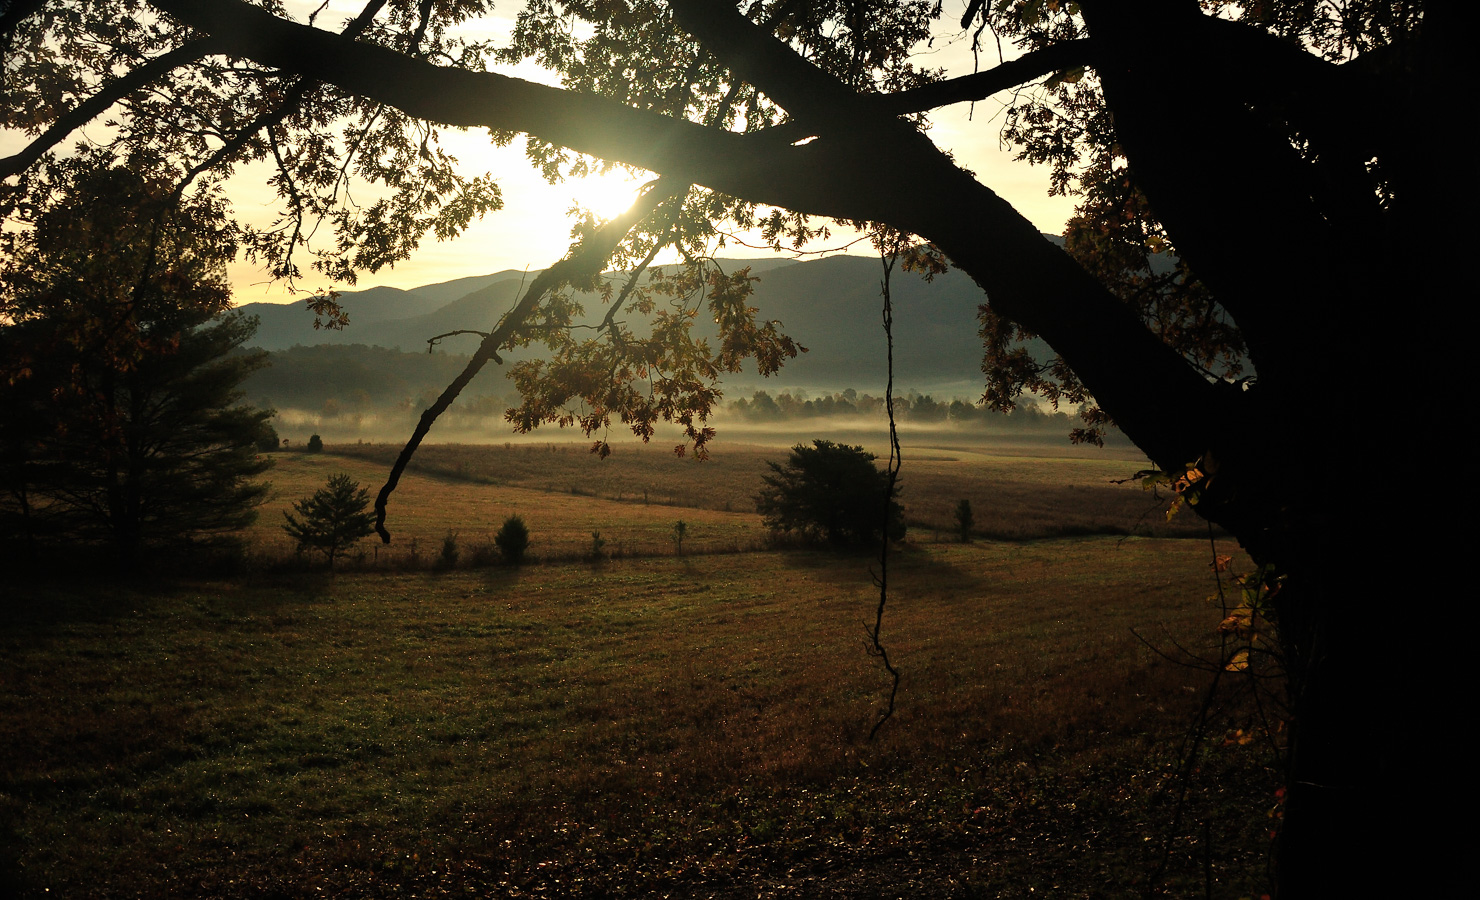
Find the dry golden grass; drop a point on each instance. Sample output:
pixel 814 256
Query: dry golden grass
pixel 1017 491
pixel 426 505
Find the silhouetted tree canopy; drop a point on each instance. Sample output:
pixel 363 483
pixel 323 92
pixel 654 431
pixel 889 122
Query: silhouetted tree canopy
pixel 120 415
pixel 1266 202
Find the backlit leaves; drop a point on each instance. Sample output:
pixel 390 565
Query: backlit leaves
pixel 646 360
pixel 364 179
pixel 104 248
pixel 633 52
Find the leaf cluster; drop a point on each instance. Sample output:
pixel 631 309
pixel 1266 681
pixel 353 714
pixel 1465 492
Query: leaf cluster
pixel 643 362
pixel 171 92
pixel 634 52
pixel 114 252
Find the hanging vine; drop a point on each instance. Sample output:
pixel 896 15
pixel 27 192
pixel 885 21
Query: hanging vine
pixel 887 257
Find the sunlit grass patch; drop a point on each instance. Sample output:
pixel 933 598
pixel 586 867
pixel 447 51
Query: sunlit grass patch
pixel 427 506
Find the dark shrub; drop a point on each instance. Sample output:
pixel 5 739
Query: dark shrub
pixel 512 540
pixel 830 492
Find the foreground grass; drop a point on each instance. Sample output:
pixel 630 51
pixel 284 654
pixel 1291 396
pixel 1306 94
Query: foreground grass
pixel 689 727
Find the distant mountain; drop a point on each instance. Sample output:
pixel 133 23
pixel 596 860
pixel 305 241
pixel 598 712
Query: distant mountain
pixel 478 311
pixel 448 291
pixel 285 324
pixel 403 319
pixel 832 306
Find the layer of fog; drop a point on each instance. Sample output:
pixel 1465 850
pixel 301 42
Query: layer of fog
pixel 872 433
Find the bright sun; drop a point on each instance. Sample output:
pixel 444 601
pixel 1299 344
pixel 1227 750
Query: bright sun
pixel 607 196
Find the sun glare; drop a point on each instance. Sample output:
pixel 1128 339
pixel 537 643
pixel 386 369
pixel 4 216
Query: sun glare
pixel 606 196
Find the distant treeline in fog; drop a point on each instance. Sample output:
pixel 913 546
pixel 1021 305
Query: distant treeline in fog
pixel 912 407
pixel 344 387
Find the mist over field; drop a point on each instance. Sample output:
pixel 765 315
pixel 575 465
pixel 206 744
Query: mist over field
pixel 296 425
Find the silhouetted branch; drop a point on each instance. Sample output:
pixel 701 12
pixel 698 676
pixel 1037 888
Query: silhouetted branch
pixel 589 257
pixel 105 97
pixel 981 85
pixel 14 13
pixel 876 647
pixel 432 341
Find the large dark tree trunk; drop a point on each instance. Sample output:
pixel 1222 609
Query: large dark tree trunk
pixel 1344 520
pixel 1372 662
pixel 1296 476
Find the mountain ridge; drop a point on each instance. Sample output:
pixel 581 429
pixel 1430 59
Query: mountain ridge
pixel 830 305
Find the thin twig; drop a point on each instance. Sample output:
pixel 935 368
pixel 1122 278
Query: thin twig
pixel 433 341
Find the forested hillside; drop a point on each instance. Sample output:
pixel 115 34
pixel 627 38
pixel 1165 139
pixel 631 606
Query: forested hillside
pixel 827 305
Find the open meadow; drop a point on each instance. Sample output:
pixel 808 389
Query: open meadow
pixel 636 722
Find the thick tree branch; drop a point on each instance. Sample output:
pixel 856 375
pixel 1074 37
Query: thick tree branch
pixel 588 124
pixel 1026 278
pixel 14 13
pixel 981 85
pixel 965 89
pixel 109 94
pixel 751 52
pixel 1218 173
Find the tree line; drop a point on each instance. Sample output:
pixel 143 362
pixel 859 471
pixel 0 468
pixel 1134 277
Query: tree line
pixel 341 381
pixel 914 407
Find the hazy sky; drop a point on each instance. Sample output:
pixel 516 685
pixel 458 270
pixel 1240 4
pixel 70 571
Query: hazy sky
pixel 532 230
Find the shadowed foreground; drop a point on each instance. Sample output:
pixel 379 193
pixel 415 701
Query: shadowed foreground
pixel 691 727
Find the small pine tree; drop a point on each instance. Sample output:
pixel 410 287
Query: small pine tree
pixel 965 521
pixel 333 519
pixel 512 540
pixel 450 552
pixel 315 444
pixel 679 530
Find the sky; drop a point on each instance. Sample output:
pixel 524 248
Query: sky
pixel 532 230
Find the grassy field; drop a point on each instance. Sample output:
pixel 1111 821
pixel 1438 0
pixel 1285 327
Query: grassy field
pixel 647 725
pixel 1021 494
